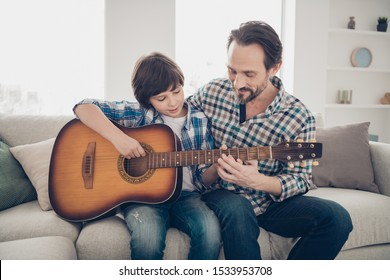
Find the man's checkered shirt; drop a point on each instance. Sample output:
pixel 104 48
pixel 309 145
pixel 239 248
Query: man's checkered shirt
pixel 285 119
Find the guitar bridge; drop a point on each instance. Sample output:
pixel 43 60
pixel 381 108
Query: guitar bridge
pixel 88 165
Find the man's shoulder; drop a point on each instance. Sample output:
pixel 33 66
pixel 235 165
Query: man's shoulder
pixel 215 85
pixel 294 103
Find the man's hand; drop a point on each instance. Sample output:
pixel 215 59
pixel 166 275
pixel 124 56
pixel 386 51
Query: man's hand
pixel 246 174
pixel 235 171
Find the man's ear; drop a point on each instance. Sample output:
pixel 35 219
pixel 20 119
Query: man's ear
pixel 276 68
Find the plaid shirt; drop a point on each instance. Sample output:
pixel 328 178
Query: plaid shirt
pixel 195 135
pixel 285 119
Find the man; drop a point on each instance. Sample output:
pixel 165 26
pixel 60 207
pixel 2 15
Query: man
pixel 251 108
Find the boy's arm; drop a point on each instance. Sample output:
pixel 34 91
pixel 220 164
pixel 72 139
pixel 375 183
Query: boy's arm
pixel 93 117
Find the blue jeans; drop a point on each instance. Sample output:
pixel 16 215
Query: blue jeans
pixel 322 225
pixel 148 225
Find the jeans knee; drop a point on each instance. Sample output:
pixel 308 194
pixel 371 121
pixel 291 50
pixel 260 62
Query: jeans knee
pixel 339 220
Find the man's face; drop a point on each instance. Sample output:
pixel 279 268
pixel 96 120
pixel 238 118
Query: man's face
pixel 246 71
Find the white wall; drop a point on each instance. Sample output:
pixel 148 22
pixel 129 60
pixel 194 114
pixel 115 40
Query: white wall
pixel 134 28
pixel 311 45
pixel 137 27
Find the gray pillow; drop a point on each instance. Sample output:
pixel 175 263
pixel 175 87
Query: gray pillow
pixel 346 159
pixel 15 187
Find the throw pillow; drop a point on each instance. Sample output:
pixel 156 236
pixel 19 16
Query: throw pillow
pixel 346 159
pixel 35 159
pixel 15 187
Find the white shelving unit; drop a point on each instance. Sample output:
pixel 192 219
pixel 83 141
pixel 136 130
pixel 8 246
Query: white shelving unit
pixel 367 84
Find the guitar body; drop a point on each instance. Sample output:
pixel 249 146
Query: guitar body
pixel 88 177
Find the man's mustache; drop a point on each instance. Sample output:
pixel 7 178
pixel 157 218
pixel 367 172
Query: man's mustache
pixel 245 89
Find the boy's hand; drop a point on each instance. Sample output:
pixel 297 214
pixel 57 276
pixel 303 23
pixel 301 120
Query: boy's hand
pixel 129 147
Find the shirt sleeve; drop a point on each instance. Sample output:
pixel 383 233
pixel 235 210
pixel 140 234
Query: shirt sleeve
pixel 126 113
pixel 298 178
pixel 206 144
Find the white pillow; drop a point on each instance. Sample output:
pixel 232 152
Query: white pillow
pixel 35 159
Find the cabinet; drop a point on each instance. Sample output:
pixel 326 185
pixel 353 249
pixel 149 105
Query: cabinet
pixel 367 84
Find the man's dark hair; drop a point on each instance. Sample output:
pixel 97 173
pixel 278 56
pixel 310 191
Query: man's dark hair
pixel 258 32
pixel 153 74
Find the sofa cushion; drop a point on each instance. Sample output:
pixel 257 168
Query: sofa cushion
pixel 370 214
pixel 35 159
pixel 17 130
pixel 346 159
pixel 104 239
pixel 39 248
pixel 27 220
pixel 15 187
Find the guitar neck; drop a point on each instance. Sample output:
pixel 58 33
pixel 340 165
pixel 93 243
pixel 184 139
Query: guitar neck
pixel 196 157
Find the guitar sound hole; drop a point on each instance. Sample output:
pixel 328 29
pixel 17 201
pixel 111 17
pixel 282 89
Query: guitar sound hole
pixel 135 167
pixel 135 170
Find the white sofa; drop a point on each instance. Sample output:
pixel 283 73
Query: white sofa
pixel 28 232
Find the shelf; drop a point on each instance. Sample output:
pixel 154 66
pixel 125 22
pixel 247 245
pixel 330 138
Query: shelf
pixel 358 69
pixel 353 106
pixel 359 32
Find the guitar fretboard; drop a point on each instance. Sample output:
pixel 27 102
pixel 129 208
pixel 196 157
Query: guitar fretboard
pixel 195 157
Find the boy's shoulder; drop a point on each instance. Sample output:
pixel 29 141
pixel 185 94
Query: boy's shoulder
pixel 194 112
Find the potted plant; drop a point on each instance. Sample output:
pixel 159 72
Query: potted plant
pixel 382 24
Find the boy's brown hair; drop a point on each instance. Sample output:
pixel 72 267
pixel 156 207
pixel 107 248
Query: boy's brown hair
pixel 153 74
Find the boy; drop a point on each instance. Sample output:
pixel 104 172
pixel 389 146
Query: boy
pixel 158 87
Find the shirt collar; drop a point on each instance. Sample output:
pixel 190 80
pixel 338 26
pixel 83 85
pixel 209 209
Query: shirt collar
pixel 275 104
pixel 155 117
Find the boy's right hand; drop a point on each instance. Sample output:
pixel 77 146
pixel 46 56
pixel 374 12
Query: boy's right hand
pixel 129 147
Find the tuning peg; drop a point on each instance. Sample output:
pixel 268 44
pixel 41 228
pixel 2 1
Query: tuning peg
pixel 313 140
pixel 299 140
pixel 315 163
pixel 303 164
pixel 291 165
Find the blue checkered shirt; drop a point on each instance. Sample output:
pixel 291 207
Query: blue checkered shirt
pixel 195 135
pixel 285 119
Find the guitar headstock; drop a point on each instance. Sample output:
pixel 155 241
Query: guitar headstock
pixel 297 151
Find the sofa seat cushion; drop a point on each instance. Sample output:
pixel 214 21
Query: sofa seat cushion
pixel 39 248
pixel 27 220
pixel 109 239
pixel 104 239
pixel 370 213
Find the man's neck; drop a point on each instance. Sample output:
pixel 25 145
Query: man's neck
pixel 260 103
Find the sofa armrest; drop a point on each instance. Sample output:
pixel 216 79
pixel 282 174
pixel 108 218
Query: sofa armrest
pixel 380 157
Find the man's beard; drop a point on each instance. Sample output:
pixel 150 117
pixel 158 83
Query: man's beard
pixel 253 93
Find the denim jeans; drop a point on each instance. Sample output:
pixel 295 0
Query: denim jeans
pixel 323 226
pixel 148 225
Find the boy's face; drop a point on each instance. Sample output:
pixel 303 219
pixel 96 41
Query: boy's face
pixel 170 103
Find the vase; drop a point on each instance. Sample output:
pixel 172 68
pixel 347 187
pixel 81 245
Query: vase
pixel 381 27
pixel 351 23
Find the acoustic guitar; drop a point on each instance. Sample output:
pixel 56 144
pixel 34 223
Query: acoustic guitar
pixel 88 177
